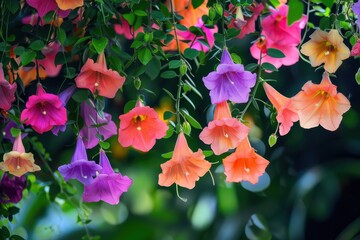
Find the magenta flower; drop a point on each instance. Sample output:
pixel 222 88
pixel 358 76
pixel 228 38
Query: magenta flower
pixel 43 111
pixel 80 167
pixel 356 10
pixel 7 91
pixel 45 6
pixel 108 186
pixel 229 82
pixel 95 124
pixel 64 97
pixel 11 188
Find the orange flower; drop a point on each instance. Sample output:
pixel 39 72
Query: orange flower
pixel 224 132
pixel 286 112
pixel 320 104
pixel 185 167
pixel 69 4
pixel 191 15
pixel 244 164
pixel 18 162
pixel 326 47
pixel 98 78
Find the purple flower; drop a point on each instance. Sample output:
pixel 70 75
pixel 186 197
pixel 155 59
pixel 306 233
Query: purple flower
pixel 7 91
pixel 229 82
pixel 356 10
pixel 11 188
pixel 108 185
pixel 7 131
pixel 80 167
pixel 106 127
pixel 64 98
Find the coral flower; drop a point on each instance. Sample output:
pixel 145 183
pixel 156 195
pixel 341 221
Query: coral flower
pixel 230 81
pixel 44 111
pixel 7 91
pixel 190 14
pixel 95 125
pixel 18 162
pixel 244 164
pixel 11 188
pixel 98 78
pixel 80 167
pixel 108 186
pixel 276 28
pixel 286 112
pixel 140 128
pixel 320 104
pixel 326 47
pixel 224 132
pixel 45 6
pixel 185 167
pixel 126 30
pixel 69 4
pixel 355 51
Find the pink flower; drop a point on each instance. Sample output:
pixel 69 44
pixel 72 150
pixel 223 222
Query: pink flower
pixel 96 77
pixel 264 43
pixel 355 51
pixel 286 112
pixel 276 28
pixel 140 128
pixel 224 132
pixel 125 29
pixel 194 40
pixel 44 111
pixel 7 91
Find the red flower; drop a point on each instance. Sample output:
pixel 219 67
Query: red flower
pixel 98 78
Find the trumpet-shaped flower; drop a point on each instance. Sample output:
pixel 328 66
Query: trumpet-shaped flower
pixel 44 111
pixel 7 91
pixel 140 128
pixel 98 78
pixel 230 81
pixel 355 51
pixel 108 186
pixel 356 10
pixel 326 47
pixel 260 47
pixel 224 132
pixel 18 162
pixel 275 27
pixel 69 4
pixel 11 188
pixel 320 104
pixel 94 124
pixel 244 164
pixel 80 167
pixel 185 167
pixel 286 112
pixel 45 6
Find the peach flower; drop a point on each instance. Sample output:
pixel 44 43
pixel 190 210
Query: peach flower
pixel 320 104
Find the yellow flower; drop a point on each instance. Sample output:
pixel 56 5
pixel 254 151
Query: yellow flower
pixel 326 47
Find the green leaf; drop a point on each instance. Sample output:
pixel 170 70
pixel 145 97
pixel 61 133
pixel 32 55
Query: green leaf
pixel 296 9
pixel 16 237
pixel 208 153
pixel 231 33
pixel 357 76
pixel 37 45
pixel 190 53
pixel 328 3
pixel 191 120
pixel 168 115
pixel 168 74
pixel 251 67
pixel 4 232
pixel 181 27
pixel 175 64
pixel 69 72
pixel 19 50
pixel 269 67
pixel 167 155
pixel 275 53
pixel 15 132
pixel 257 229
pixel 188 100
pixel 144 56
pixel 236 58
pixel 27 57
pixel 130 17
pixel 129 105
pixel 197 3
pixel 13 6
pixel 99 44
pixel 169 132
pixel 54 191
pixel 170 94
pixel 104 145
pixel 61 35
pixel 81 95
pixel 140 13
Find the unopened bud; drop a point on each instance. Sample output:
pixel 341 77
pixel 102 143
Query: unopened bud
pixel 186 128
pixel 272 140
